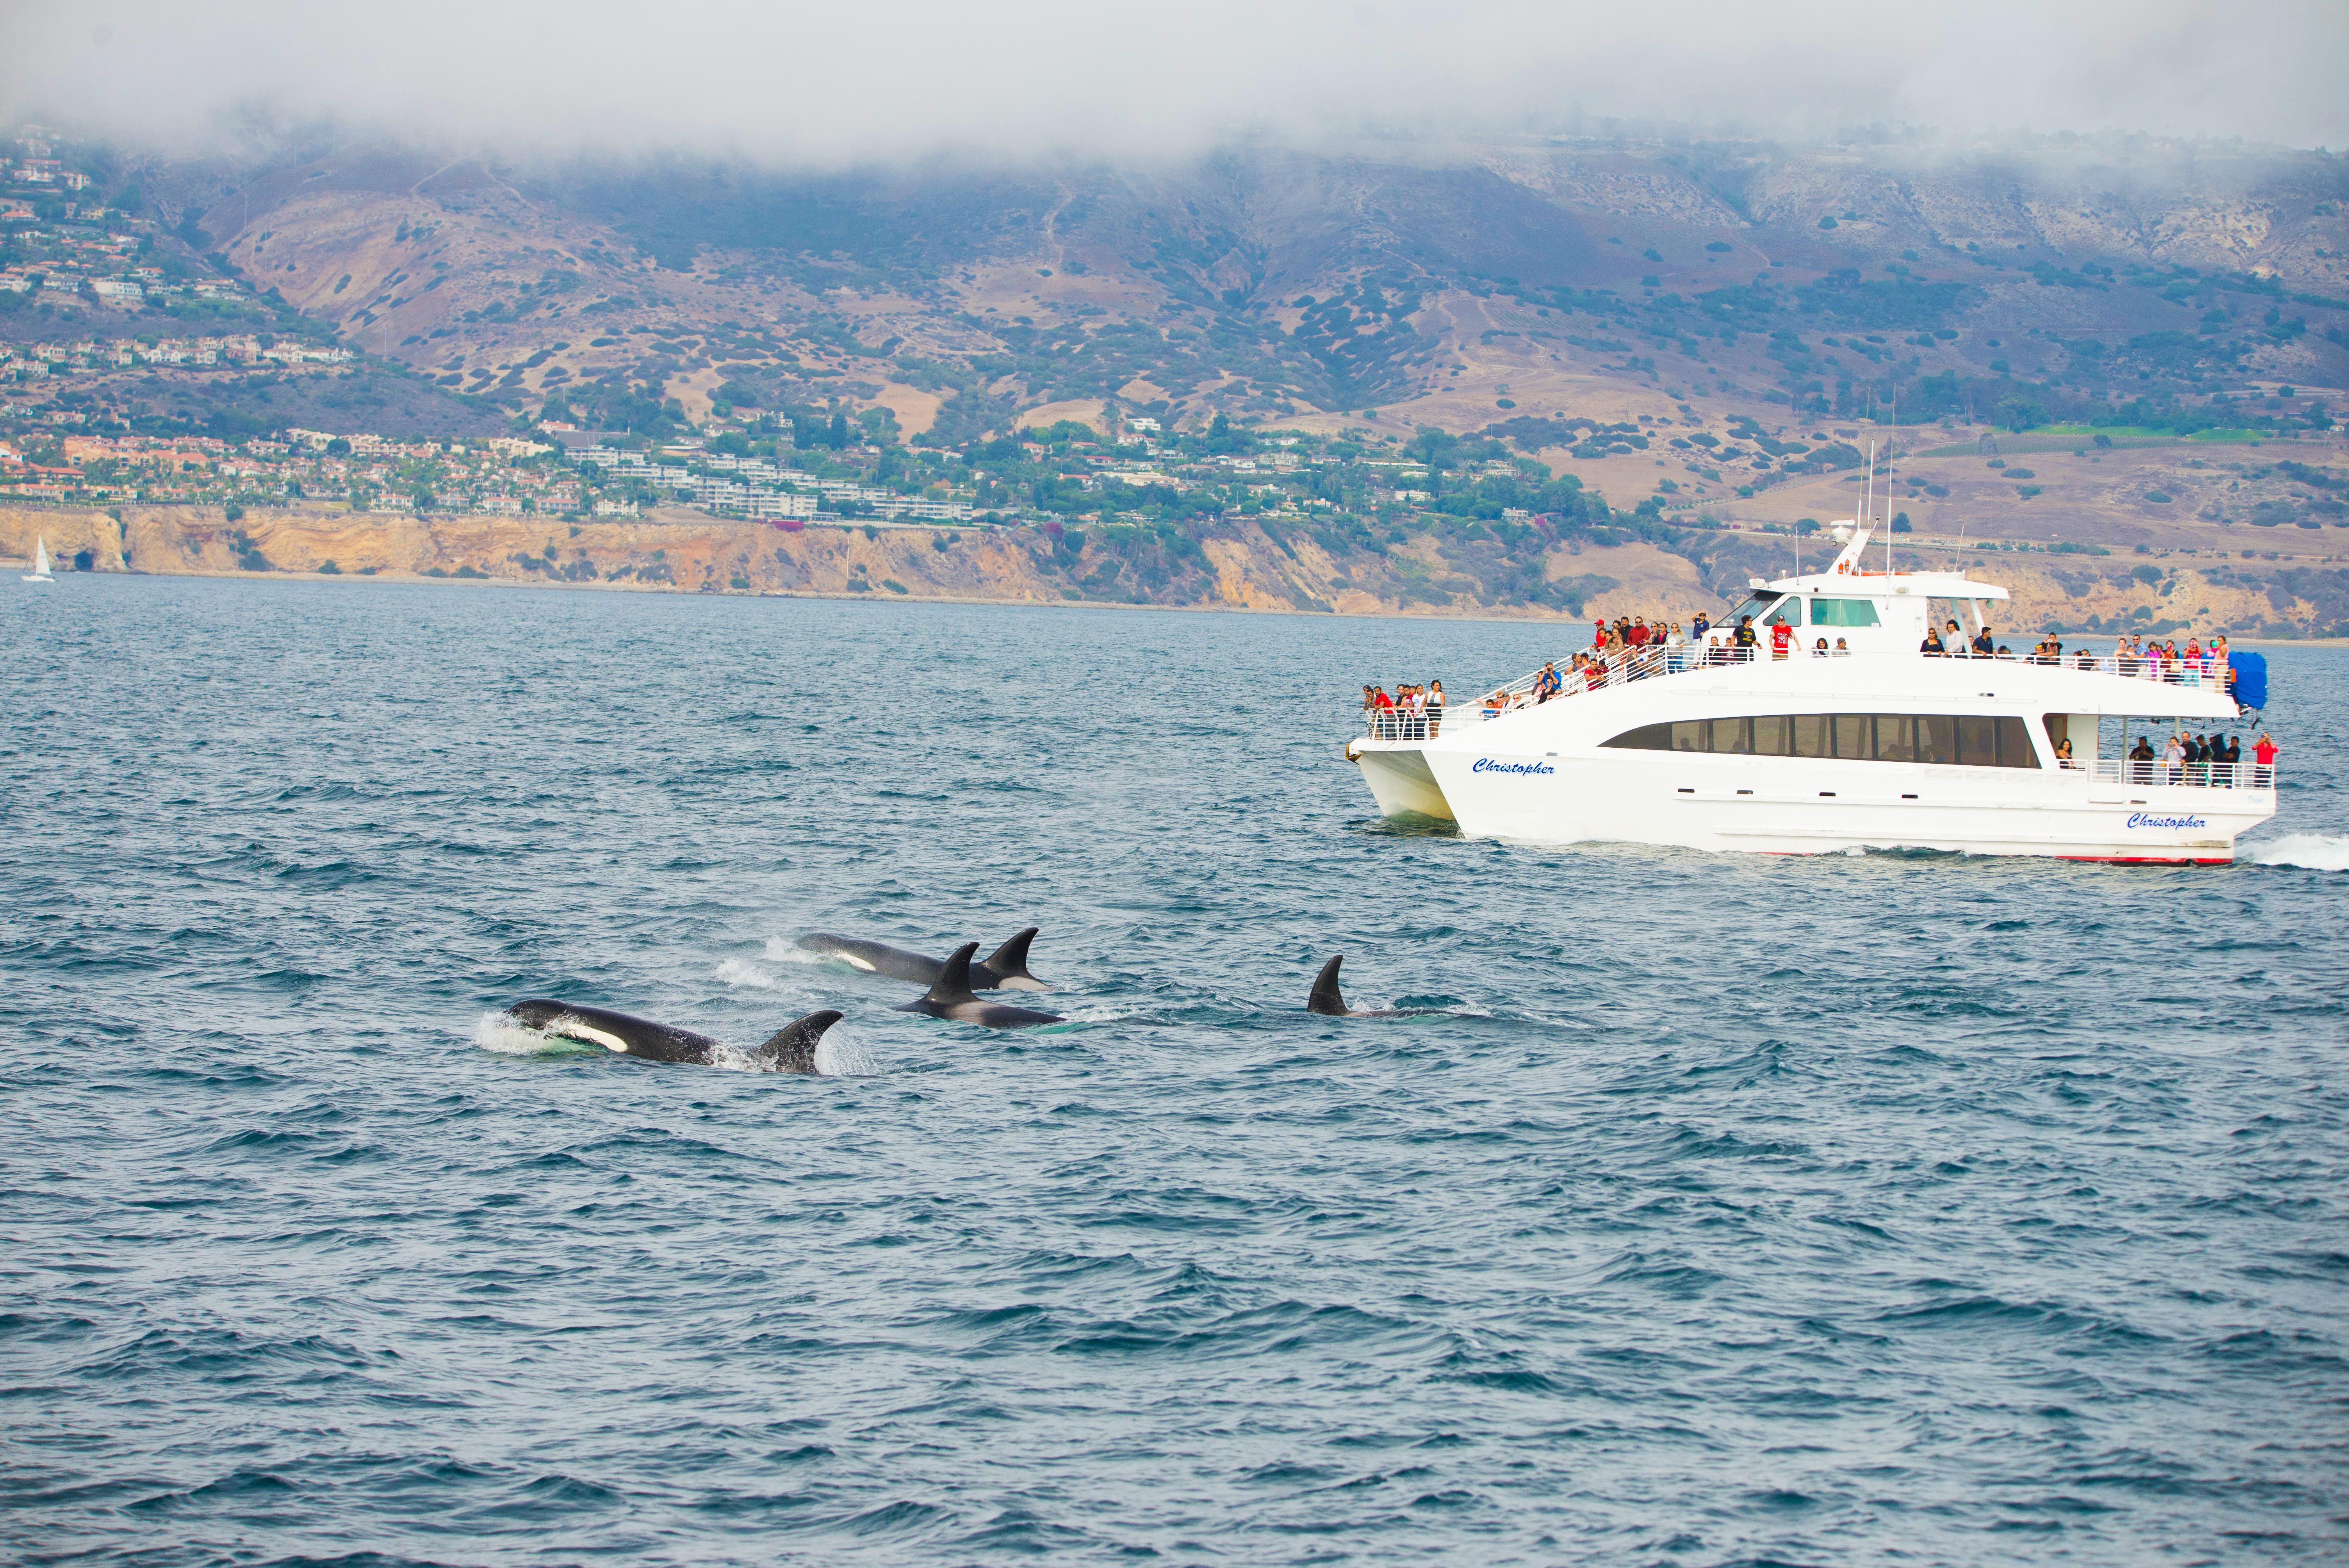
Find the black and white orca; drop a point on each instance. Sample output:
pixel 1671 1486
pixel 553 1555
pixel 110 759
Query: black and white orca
pixel 949 996
pixel 791 1050
pixel 1327 1001
pixel 1005 969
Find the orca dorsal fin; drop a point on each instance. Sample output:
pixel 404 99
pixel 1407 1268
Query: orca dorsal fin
pixel 1325 998
pixel 1009 962
pixel 953 984
pixel 793 1050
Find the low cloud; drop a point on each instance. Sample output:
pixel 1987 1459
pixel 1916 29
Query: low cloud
pixel 832 83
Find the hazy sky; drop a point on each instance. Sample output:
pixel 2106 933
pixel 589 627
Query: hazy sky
pixel 862 81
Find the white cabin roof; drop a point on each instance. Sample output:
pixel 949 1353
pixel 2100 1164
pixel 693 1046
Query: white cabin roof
pixel 1889 585
pixel 1847 576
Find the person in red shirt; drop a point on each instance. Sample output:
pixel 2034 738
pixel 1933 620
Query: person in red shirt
pixel 1782 638
pixel 2264 753
pixel 1638 638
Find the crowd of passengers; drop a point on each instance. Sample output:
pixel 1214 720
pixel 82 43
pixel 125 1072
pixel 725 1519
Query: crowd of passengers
pixel 2186 758
pixel 2131 656
pixel 1630 647
pixel 1413 713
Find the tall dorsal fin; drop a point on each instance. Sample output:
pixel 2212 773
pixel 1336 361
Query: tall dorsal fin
pixel 1325 998
pixel 953 983
pixel 1009 962
pixel 793 1050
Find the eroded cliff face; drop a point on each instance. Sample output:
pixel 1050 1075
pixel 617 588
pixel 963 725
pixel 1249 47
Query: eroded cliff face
pixel 1251 568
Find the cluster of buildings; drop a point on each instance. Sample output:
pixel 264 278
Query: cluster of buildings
pixel 33 163
pixel 125 287
pixel 756 488
pixel 71 250
pixel 34 361
pixel 509 475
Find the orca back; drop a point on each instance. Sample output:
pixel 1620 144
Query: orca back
pixel 874 957
pixel 617 1032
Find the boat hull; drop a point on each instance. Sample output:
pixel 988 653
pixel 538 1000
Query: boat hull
pixel 1403 784
pixel 1776 805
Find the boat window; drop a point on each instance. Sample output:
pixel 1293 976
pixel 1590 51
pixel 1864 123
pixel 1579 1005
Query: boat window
pixel 1854 735
pixel 1937 737
pixel 1843 612
pixel 1757 606
pixel 1788 612
pixel 1966 740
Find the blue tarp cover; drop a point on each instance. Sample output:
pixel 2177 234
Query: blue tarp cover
pixel 2250 678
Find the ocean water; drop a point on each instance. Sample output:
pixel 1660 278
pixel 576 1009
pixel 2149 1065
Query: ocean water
pixel 1859 1209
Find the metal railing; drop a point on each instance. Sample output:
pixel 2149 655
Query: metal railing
pixel 1403 723
pixel 1599 671
pixel 1624 666
pixel 1596 673
pixel 2200 674
pixel 2157 773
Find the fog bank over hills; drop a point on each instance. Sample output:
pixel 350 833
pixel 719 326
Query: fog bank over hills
pixel 837 85
pixel 1450 282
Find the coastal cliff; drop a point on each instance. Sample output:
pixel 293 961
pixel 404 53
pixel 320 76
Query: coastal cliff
pixel 1250 565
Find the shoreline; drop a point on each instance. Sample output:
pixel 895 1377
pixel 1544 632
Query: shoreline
pixel 527 584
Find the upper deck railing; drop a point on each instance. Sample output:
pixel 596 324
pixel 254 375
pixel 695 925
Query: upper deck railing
pixel 1622 667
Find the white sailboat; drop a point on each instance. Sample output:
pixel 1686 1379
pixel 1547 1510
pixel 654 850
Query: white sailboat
pixel 40 561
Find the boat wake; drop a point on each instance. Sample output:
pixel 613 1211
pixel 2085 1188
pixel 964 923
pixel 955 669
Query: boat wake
pixel 2308 851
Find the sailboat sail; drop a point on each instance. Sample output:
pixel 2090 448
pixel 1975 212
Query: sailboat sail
pixel 40 561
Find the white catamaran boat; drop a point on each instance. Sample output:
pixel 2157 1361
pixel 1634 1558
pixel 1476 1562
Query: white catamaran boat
pixel 40 573
pixel 1880 746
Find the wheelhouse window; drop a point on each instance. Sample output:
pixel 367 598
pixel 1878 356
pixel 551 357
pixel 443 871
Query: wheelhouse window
pixel 1843 612
pixel 1964 740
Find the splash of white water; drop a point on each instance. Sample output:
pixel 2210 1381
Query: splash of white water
pixel 787 949
pixel 2310 851
pixel 498 1032
pixel 734 972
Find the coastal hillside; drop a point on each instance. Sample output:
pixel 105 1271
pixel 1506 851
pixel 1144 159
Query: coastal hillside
pixel 1389 375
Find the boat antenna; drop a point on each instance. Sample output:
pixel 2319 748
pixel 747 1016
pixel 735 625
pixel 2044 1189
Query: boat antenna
pixel 1868 517
pixel 1888 479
